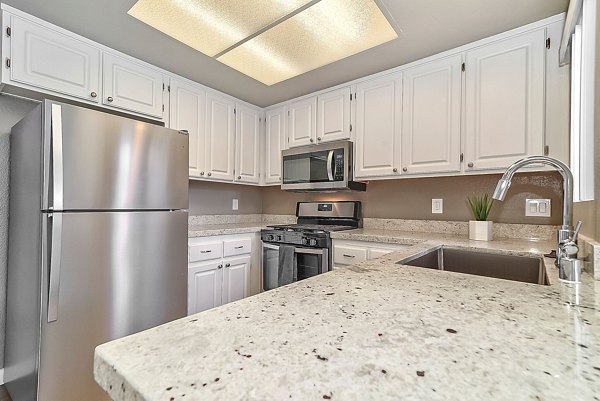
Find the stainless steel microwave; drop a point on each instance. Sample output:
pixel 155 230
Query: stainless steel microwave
pixel 325 167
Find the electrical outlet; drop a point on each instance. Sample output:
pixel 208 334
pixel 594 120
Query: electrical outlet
pixel 437 206
pixel 235 205
pixel 537 207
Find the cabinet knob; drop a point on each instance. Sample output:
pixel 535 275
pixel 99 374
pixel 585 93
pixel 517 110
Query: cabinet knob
pixel 239 177
pixel 470 164
pixel 395 170
pixel 209 174
pixel 220 267
pixel 202 173
pixel 311 140
pixel 318 138
pixel 228 265
pixel 93 94
pixel 405 169
pixel 110 99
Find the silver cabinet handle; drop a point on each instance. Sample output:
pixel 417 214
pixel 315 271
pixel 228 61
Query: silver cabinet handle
pixel 93 94
pixel 470 164
pixel 405 169
pixel 220 267
pixel 239 247
pixel 312 140
pixel 209 174
pixel 395 170
pixel 349 256
pixel 228 265
pixel 318 138
pixel 55 262
pixel 239 177
pixel 202 173
pixel 57 157
pixel 209 251
pixel 110 99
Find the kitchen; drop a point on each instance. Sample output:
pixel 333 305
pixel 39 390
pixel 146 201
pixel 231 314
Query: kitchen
pixel 404 328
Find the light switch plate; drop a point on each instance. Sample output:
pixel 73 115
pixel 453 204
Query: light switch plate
pixel 235 205
pixel 538 207
pixel 437 206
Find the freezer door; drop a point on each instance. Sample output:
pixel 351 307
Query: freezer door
pixel 116 273
pixel 98 161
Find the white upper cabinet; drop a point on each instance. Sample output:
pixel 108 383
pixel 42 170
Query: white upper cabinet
pixel 378 127
pixel 188 112
pixel 275 125
pixel 302 122
pixel 247 144
pixel 505 101
pixel 333 115
pixel 132 86
pixel 53 61
pixel 431 117
pixel 220 131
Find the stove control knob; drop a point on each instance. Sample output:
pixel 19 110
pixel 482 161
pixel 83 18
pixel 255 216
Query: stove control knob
pixel 313 242
pixel 279 238
pixel 270 237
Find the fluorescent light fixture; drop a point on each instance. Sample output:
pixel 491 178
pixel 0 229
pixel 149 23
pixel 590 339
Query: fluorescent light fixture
pixel 270 40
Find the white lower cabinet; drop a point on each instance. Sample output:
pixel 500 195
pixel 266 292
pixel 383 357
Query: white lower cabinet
pixel 346 252
pixel 220 270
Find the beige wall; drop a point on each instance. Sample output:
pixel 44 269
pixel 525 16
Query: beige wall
pixel 411 198
pixel 216 198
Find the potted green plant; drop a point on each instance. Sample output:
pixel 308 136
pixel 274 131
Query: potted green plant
pixel 480 228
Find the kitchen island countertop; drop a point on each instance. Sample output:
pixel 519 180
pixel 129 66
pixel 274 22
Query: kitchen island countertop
pixel 376 331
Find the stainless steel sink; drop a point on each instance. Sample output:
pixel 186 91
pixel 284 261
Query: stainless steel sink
pixel 516 268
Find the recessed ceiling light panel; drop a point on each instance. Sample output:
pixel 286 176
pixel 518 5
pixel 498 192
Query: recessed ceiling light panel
pixel 325 32
pixel 211 26
pixel 270 40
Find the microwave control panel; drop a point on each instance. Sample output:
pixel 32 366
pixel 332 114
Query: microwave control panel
pixel 338 156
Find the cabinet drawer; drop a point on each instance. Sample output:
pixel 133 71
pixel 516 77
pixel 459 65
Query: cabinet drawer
pixel 199 252
pixel 349 255
pixel 237 247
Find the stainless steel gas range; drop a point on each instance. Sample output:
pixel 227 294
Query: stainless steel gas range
pixel 293 252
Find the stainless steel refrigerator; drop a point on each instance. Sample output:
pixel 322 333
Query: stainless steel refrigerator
pixel 97 243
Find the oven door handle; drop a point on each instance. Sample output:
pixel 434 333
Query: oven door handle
pixel 310 251
pixel 329 165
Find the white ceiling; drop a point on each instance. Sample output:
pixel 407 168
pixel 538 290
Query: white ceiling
pixel 428 27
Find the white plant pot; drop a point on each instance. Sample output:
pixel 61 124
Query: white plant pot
pixel 481 230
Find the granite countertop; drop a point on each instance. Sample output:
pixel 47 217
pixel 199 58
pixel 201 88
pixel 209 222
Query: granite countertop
pixel 207 230
pixel 375 331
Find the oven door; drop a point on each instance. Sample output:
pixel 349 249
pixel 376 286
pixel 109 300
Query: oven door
pixel 309 262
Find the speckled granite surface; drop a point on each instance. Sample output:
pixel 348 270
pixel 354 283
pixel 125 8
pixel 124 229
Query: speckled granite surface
pixel 375 331
pixel 207 230
pixel 206 226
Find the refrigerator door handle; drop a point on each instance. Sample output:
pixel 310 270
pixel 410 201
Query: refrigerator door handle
pixel 57 157
pixel 55 262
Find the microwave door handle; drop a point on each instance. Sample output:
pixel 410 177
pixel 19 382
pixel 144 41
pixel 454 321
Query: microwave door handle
pixel 329 165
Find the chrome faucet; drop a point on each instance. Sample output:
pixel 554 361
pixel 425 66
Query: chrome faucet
pixel 566 248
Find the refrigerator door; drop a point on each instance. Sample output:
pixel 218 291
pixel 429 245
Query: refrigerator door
pixel 98 161
pixel 117 273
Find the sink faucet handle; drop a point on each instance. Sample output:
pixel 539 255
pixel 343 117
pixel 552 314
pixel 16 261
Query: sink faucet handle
pixel 576 232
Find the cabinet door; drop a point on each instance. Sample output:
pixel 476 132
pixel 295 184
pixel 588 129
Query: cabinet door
pixel 505 101
pixel 333 115
pixel 378 109
pixel 235 278
pixel 220 131
pixel 132 86
pixel 187 112
pixel 431 117
pixel 53 61
pixel 274 142
pixel 302 124
pixel 204 286
pixel 247 141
